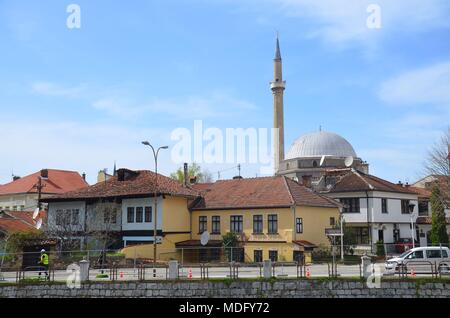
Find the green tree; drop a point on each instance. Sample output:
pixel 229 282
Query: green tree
pixel 230 241
pixel 194 170
pixel 438 223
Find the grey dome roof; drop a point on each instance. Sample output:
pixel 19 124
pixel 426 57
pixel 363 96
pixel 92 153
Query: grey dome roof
pixel 319 144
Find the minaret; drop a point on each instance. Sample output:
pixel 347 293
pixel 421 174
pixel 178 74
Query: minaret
pixel 278 86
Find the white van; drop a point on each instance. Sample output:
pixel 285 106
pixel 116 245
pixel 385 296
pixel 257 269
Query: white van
pixel 422 256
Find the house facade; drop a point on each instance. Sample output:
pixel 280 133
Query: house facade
pixel 121 210
pixel 22 193
pixel 274 218
pixel 374 209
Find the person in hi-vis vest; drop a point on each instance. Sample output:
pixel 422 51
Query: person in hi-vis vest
pixel 44 263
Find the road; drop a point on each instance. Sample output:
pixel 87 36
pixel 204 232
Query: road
pixel 125 274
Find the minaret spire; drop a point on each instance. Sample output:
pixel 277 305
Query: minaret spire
pixel 278 86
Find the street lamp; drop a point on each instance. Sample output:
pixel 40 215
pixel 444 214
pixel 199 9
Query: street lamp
pixel 155 220
pixel 412 215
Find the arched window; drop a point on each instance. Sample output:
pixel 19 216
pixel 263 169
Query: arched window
pixel 315 164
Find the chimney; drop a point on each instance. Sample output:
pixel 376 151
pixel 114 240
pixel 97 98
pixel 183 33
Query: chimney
pixel 193 180
pixel 44 173
pixel 185 174
pixel 306 181
pixel 84 176
pixel 237 178
pixel 15 178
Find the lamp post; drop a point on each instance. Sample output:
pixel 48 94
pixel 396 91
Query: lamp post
pixel 155 220
pixel 411 211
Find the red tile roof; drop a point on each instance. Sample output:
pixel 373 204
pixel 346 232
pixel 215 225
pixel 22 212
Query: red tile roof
pixel 358 181
pixel 136 183
pixel 422 192
pixel 12 222
pixel 58 181
pixel 278 191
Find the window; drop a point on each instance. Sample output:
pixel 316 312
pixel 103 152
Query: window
pixel 148 214
pixel 257 224
pixel 423 208
pixel 360 234
pixel 299 225
pixel 110 216
pixel 75 217
pixel 416 255
pixel 273 224
pixel 216 225
pixel 139 214
pixel 384 206
pixel 405 206
pixel 202 224
pixel 351 205
pixel 332 221
pixel 433 254
pixel 59 217
pixel 258 256
pixel 273 256
pixel 130 214
pixel 236 223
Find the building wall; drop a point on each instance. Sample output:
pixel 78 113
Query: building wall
pixel 176 216
pixel 315 221
pixel 18 202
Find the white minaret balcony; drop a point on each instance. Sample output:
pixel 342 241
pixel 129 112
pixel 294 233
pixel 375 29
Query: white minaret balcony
pixel 279 84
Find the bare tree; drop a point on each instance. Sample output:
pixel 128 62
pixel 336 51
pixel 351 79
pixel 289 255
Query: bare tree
pixel 104 222
pixel 438 163
pixel 64 225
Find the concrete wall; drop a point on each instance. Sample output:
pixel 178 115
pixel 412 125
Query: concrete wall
pixel 236 289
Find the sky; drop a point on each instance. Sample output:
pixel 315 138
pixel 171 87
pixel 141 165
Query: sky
pixel 82 98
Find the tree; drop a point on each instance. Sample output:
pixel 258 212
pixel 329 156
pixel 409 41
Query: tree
pixel 194 170
pixel 230 241
pixel 438 223
pixel 438 163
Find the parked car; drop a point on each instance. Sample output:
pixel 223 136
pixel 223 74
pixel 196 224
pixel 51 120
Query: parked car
pixel 404 244
pixel 423 256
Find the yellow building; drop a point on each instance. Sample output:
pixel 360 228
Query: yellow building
pixel 274 218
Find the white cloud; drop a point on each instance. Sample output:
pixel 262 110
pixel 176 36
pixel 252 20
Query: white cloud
pixel 429 85
pixel 126 105
pixel 52 89
pixel 344 21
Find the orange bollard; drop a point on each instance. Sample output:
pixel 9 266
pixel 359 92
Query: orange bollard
pixel 121 274
pixel 413 272
pixel 308 272
pixel 190 273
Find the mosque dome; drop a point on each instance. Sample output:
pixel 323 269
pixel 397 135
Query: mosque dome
pixel 321 143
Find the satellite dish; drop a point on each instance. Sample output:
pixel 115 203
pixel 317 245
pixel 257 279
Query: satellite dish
pixel 322 160
pixel 38 223
pixel 36 213
pixel 204 238
pixel 348 162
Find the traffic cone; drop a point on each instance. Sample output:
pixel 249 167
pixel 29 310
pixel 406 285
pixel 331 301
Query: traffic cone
pixel 308 272
pixel 121 274
pixel 190 273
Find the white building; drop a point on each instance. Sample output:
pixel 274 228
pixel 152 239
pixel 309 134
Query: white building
pixel 375 209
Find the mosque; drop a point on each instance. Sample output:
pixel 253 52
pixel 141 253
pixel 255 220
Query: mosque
pixel 313 154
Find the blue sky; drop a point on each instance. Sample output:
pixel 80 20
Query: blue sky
pixel 79 99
